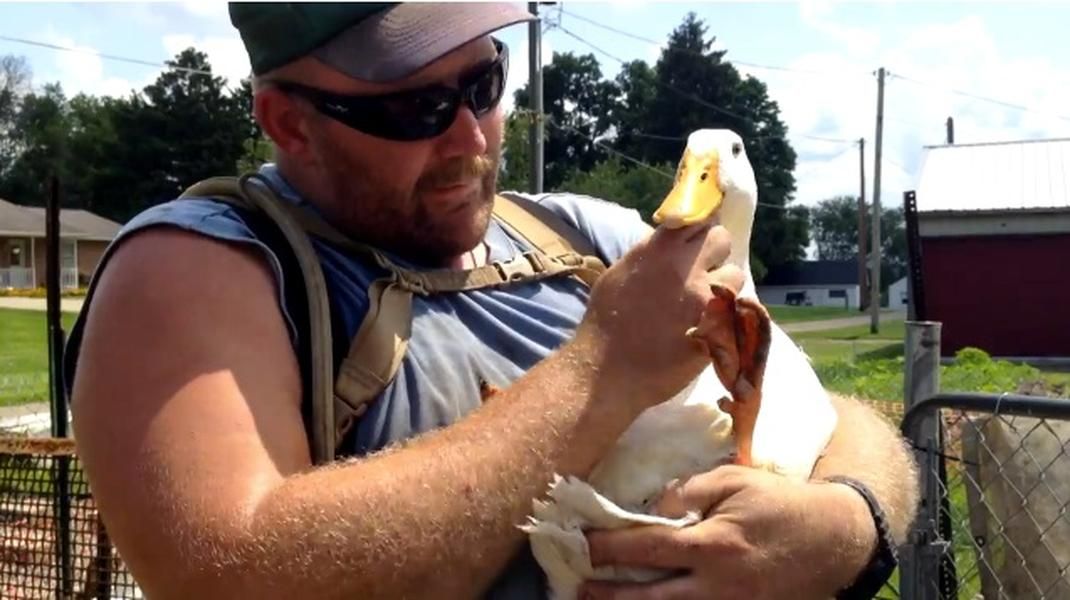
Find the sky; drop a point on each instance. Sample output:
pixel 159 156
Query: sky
pixel 1000 69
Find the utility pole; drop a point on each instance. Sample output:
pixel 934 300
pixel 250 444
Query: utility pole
pixel 950 131
pixel 862 288
pixel 535 77
pixel 875 280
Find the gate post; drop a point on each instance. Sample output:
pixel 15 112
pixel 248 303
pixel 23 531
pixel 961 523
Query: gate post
pixel 921 380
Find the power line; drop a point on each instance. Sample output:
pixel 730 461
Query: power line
pixel 1002 103
pixel 682 93
pixel 690 96
pixel 125 59
pixel 825 161
pixel 689 51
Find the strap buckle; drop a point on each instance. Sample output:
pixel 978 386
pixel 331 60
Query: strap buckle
pixel 527 265
pixel 412 282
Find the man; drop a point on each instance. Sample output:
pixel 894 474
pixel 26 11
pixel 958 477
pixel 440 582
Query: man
pixel 187 392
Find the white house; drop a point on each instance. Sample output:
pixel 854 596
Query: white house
pixel 897 295
pixel 812 283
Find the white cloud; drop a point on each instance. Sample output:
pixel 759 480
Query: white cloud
pixel 81 70
pixel 834 96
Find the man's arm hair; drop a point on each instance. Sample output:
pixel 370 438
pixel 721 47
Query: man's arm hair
pixel 866 447
pixel 187 415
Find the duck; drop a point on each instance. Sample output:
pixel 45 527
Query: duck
pixel 777 416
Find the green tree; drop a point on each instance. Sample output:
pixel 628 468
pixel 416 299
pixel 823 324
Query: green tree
pixel 40 138
pixel 257 148
pixel 691 87
pixel 579 105
pixel 15 80
pixel 515 167
pixel 834 222
pixel 835 225
pixel 183 127
pixel 92 138
pixel 640 188
pixel 638 88
pixel 204 126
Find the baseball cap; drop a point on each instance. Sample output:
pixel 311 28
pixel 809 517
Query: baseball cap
pixel 378 42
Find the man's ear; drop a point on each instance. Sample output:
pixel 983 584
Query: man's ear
pixel 282 119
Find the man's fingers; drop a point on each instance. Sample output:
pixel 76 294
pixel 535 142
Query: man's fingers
pixel 656 546
pixel 729 276
pixel 701 493
pixel 676 588
pixel 716 247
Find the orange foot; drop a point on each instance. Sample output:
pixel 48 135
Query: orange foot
pixel 736 334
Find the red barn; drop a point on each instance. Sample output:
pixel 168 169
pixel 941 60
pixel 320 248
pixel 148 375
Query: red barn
pixel 994 231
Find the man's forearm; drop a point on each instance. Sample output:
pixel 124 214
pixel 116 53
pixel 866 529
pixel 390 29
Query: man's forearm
pixel 868 448
pixel 437 515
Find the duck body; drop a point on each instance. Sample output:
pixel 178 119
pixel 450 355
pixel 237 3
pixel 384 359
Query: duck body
pixel 702 426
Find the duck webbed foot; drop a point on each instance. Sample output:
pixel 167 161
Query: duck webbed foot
pixel 736 335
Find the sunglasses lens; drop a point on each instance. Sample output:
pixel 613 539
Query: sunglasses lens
pixel 486 91
pixel 419 115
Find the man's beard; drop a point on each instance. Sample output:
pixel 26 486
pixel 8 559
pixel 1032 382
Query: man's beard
pixel 365 207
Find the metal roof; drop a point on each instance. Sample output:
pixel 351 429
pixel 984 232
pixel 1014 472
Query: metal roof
pixel 29 221
pixel 1000 176
pixel 813 272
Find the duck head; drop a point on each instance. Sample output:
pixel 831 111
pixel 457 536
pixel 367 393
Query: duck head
pixel 714 183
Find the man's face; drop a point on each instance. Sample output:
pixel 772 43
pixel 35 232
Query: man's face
pixel 427 200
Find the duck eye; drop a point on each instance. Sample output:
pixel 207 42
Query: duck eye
pixel 704 176
pixel 736 149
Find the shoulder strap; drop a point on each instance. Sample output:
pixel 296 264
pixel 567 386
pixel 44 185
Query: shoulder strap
pixel 376 351
pixel 540 226
pixel 254 193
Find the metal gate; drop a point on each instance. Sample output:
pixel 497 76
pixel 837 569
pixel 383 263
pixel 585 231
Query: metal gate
pixel 995 485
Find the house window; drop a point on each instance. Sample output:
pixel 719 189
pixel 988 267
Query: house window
pixel 17 255
pixel 837 293
pixel 67 256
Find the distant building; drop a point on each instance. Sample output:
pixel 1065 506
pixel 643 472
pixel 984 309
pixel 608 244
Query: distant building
pixel 83 238
pixel 812 283
pixel 897 295
pixel 994 226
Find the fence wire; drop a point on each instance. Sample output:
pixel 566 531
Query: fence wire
pixel 1000 528
pixel 52 541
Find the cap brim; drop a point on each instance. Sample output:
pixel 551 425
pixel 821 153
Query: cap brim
pixel 405 38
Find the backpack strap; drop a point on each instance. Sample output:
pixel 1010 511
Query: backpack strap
pixel 376 351
pixel 254 192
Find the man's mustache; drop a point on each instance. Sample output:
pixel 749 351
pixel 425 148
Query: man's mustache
pixel 457 170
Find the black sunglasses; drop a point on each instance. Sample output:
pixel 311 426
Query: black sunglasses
pixel 416 114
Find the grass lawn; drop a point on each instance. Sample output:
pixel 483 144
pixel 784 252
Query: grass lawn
pixel 794 314
pixel 24 355
pixel 853 343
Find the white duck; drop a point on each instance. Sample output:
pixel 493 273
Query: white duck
pixel 695 431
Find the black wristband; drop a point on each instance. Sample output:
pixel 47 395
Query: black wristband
pixel 884 561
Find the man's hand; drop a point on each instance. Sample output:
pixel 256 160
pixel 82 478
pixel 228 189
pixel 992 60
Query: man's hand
pixel 764 536
pixel 641 308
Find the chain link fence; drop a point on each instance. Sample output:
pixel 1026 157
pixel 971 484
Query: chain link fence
pixel 995 487
pixel 52 542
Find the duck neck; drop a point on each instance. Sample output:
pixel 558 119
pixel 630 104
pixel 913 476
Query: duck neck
pixel 739 224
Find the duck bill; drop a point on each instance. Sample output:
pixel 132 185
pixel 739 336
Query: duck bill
pixel 695 196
